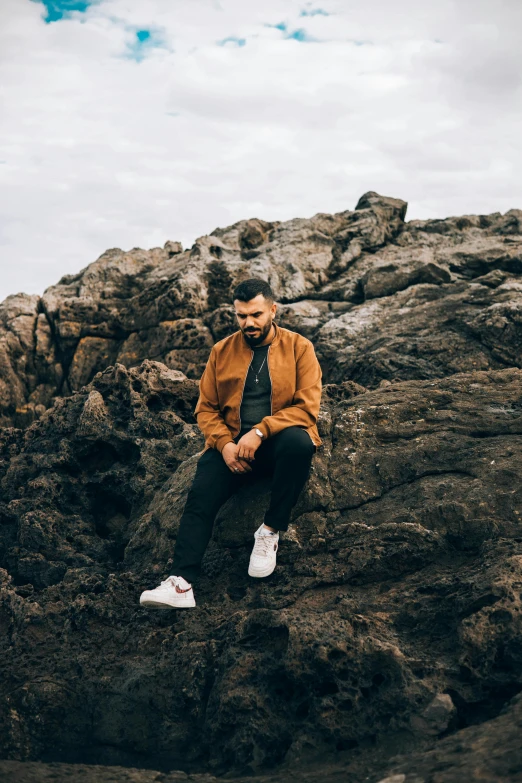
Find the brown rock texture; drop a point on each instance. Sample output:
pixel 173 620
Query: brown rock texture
pixel 388 641
pixel 382 299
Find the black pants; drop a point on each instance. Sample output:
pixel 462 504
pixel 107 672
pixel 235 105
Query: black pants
pixel 286 456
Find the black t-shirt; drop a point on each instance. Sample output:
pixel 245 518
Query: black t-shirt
pixel 256 403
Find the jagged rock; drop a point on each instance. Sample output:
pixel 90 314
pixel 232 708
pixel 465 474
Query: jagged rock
pixel 173 248
pixel 30 372
pixel 399 580
pixel 392 623
pixel 425 331
pixel 99 458
pixel 437 716
pixel 382 299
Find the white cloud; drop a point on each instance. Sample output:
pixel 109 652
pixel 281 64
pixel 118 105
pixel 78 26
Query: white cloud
pixel 99 150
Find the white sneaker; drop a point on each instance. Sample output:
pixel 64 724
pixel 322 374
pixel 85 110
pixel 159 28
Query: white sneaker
pixel 263 557
pixel 173 591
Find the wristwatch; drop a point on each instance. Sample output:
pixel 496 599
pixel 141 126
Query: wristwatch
pixel 258 432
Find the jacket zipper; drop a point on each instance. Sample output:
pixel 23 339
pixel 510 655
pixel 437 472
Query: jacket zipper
pixel 268 368
pixel 243 390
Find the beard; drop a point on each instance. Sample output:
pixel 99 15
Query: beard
pixel 257 339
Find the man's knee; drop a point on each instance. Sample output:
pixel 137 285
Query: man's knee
pixel 210 457
pixel 295 441
pixel 211 468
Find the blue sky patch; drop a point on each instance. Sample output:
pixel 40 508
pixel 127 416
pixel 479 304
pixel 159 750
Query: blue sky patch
pixel 314 12
pixel 299 35
pixel 296 35
pixel 143 42
pixel 232 39
pixel 58 9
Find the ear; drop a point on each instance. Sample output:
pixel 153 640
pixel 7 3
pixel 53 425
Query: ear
pixel 273 309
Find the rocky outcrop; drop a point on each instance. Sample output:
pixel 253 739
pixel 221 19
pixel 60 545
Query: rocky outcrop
pixel 392 620
pixel 488 752
pixel 383 299
pixel 386 645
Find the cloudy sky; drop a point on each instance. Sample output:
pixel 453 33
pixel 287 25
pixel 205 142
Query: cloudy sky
pixel 124 123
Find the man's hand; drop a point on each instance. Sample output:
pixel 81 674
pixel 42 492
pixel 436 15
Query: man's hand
pixel 230 454
pixel 248 445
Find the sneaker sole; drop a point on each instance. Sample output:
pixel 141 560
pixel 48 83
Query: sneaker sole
pixel 261 572
pixel 165 605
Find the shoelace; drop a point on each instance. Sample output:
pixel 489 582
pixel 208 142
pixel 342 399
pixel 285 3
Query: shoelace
pixel 172 581
pixel 263 544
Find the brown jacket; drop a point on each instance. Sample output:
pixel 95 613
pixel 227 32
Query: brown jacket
pixel 295 374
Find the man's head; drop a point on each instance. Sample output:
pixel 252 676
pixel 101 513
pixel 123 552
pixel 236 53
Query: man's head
pixel 255 310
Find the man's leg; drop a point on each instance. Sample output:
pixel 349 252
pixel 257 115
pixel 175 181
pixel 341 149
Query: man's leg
pixel 213 484
pixel 290 452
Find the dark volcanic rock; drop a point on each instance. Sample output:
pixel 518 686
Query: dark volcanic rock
pixel 89 465
pixel 399 580
pixel 388 640
pixel 489 752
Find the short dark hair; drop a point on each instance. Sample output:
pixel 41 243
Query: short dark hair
pixel 248 289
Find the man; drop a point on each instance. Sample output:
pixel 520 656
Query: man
pixel 257 408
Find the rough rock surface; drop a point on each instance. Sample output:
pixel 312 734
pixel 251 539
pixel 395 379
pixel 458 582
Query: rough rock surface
pixel 383 299
pixel 388 642
pixel 393 618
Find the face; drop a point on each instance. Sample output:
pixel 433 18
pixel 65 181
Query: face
pixel 255 318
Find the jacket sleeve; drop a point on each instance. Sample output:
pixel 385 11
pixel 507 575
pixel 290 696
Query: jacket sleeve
pixel 209 417
pixel 304 410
